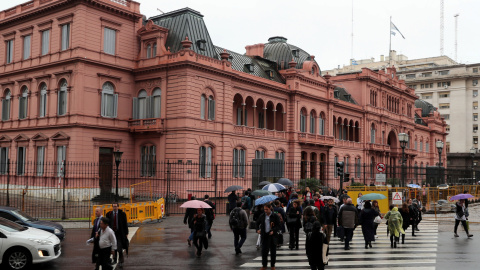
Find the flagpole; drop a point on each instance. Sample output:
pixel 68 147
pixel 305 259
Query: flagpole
pixel 390 46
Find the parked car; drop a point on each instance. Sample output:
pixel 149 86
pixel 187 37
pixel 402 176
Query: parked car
pixel 443 205
pixel 21 246
pixel 22 218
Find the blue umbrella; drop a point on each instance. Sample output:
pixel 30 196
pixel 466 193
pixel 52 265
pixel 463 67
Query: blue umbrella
pixel 265 199
pixel 275 187
pixel 372 196
pixel 413 186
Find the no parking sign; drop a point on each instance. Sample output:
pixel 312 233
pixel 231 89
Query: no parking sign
pixel 380 167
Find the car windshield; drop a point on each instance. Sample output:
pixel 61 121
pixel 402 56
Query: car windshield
pixel 23 216
pixel 10 226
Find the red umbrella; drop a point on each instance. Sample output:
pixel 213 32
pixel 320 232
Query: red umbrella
pixel 195 204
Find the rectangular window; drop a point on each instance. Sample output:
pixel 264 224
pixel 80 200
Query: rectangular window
pixel 372 134
pixel 444 105
pixel 475 128
pixel 358 168
pixel 475 93
pixel 109 39
pixel 475 105
pixel 65 36
pixel 4 162
pixel 61 155
pixel 21 160
pixel 321 126
pixel 421 146
pixel 427 96
pixel 26 46
pixel 45 42
pixel 211 108
pixel 259 154
pixel 202 106
pixel 475 139
pixel 444 72
pixel 238 163
pixel 9 47
pixel 422 86
pixel 410 76
pixel 427 74
pixel 239 116
pixel 40 160
pixel 475 116
pixel 280 155
pixel 446 116
pixel 347 159
pixel 447 128
pixel 427 147
pixel 205 162
pixel 416 145
pixel 475 70
pixel 43 104
pixel 109 105
pixel 474 82
pixel 444 94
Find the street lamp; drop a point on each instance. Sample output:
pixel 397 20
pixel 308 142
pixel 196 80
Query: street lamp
pixel 118 158
pixel 473 151
pixel 403 138
pixel 439 145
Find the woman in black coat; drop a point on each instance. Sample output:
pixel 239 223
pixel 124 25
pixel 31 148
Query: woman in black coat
pixel 199 233
pixel 314 247
pixel 367 215
pixel 412 210
pixel 406 219
pixel 294 222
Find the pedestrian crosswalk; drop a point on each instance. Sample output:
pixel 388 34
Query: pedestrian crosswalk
pixel 417 253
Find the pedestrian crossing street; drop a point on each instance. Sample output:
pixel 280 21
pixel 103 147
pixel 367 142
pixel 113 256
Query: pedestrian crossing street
pixel 417 253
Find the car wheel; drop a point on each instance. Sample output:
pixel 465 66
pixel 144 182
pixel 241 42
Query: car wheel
pixel 17 259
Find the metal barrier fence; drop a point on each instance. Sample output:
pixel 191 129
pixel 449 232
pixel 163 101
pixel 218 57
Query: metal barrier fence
pixel 136 212
pixel 79 185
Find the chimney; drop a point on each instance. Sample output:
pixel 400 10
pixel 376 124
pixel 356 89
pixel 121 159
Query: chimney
pixel 255 50
pixel 382 58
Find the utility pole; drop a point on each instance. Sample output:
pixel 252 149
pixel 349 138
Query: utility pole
pixel 456 34
pixel 441 27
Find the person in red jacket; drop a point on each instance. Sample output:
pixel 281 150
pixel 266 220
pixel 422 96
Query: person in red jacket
pixel 318 203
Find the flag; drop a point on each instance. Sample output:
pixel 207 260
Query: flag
pixel 394 29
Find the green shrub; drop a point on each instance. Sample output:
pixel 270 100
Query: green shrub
pixel 312 183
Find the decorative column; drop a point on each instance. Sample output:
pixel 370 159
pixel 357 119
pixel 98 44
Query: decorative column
pixel 274 119
pixel 264 117
pixel 254 114
pixel 244 120
pixel 284 121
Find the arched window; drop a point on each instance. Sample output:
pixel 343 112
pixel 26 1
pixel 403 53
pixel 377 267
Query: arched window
pixel 303 121
pixel 62 98
pixel 6 105
pixel 154 50
pixel 23 103
pixel 321 125
pixel 238 162
pixel 140 105
pixel 42 105
pixel 148 158
pixel 157 102
pixel 312 122
pixel 205 162
pixel 149 51
pixel 203 106
pixel 280 155
pixel 211 108
pixel 260 154
pixel 372 134
pixel 109 101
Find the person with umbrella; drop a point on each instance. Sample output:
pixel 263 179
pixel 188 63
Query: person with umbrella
pixel 268 226
pixel 188 219
pixel 367 215
pixel 199 231
pixel 460 217
pixel 232 201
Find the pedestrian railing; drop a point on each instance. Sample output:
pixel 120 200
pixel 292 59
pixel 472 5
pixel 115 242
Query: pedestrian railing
pixel 136 212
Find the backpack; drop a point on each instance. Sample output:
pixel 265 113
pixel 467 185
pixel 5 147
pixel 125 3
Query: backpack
pixel 246 202
pixel 279 216
pixel 235 221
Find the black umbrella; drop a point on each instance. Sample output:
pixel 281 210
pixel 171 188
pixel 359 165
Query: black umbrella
pixel 233 188
pixel 264 183
pixel 285 182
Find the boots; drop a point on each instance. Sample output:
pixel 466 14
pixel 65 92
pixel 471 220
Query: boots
pixel 403 238
pixel 366 245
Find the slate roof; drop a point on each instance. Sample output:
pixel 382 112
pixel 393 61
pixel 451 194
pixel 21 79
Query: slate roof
pixel 260 66
pixel 278 50
pixel 182 23
pixel 427 108
pixel 342 94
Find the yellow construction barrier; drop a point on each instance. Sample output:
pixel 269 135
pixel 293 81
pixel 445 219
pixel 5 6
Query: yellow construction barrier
pixel 136 212
pixel 382 204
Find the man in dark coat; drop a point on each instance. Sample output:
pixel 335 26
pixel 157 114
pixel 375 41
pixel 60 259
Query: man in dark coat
pixel 330 217
pixel 330 192
pixel 95 228
pixel 268 225
pixel 118 221
pixel 188 219
pixel 314 247
pixel 210 214
pixel 232 201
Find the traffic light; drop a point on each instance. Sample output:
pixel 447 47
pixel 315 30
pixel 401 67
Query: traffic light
pixel 346 177
pixel 340 168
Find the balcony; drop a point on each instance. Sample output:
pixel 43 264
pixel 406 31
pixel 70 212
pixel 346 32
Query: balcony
pixel 349 144
pixel 378 147
pixel 253 131
pixel 146 125
pixel 315 139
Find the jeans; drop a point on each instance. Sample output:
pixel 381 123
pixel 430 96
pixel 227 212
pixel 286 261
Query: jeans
pixel 348 236
pixel 239 233
pixel 191 234
pixel 269 243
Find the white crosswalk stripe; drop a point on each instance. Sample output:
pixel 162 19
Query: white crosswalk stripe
pixel 417 253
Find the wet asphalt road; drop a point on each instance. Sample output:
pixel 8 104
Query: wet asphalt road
pixel 163 246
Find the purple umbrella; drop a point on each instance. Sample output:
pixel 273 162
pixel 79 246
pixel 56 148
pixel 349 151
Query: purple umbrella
pixel 461 196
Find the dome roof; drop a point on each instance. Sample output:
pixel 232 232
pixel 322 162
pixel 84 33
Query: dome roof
pixel 426 107
pixel 278 50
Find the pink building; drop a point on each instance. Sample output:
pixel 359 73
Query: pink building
pixel 82 78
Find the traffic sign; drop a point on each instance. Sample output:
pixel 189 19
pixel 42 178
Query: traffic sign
pixel 380 178
pixel 381 167
pixel 397 197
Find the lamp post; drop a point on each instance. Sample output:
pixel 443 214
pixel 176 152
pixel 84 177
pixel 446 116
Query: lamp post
pixel 473 151
pixel 439 145
pixel 403 138
pixel 118 158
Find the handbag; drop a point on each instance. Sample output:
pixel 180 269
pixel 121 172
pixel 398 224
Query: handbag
pixel 377 219
pixel 291 220
pixel 325 254
pixel 200 234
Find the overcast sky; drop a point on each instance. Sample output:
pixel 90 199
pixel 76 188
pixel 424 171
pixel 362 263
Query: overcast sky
pixel 324 27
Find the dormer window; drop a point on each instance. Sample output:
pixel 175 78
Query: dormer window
pixel 269 73
pixel 202 44
pixel 250 67
pixel 296 53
